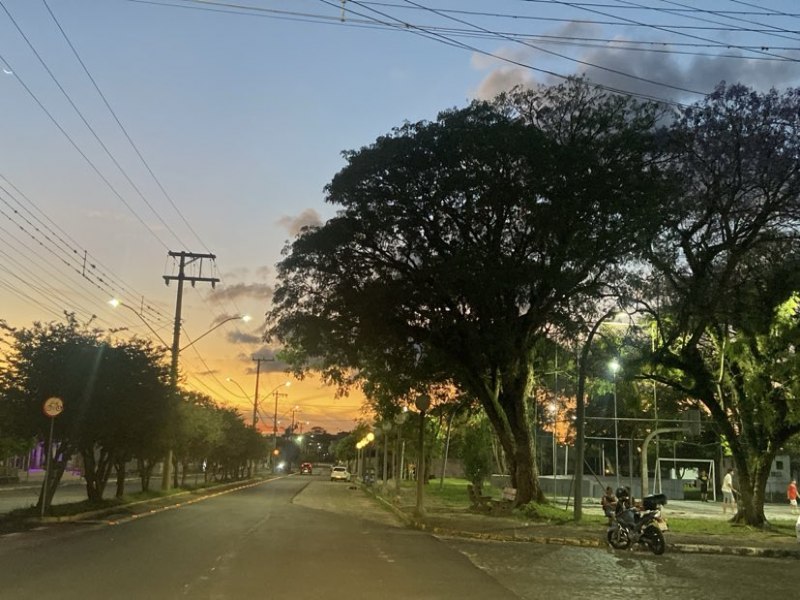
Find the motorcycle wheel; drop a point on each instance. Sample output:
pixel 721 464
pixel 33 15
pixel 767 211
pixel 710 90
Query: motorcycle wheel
pixel 655 540
pixel 618 539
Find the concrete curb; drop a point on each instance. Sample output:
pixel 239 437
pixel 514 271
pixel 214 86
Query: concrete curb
pixel 599 542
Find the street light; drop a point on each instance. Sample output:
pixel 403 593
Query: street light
pixel 423 403
pixel 552 408
pixel 116 303
pixel 276 393
pixel 614 366
pixel 244 318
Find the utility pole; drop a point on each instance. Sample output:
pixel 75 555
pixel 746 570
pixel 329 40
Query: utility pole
pixel 186 258
pixel 258 360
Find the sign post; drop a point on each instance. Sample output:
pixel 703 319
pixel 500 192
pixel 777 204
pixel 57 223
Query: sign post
pixel 52 408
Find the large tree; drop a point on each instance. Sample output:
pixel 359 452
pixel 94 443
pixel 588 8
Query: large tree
pixel 726 267
pixel 458 241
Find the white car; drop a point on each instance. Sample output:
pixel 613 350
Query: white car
pixel 340 473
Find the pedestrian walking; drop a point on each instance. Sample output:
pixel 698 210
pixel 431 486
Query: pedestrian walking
pixel 728 492
pixel 791 494
pixel 702 483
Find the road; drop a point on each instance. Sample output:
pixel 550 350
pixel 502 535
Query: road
pixel 288 538
pixel 308 538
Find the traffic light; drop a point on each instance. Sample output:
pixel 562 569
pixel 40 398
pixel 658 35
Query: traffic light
pixel 276 452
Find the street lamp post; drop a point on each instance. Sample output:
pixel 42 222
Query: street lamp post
pixel 277 394
pixel 615 366
pixel 553 410
pixel 423 403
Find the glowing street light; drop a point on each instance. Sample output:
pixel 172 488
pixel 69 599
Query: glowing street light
pixel 614 366
pixel 277 394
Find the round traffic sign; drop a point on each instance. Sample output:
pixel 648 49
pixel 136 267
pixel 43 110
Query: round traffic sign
pixel 53 406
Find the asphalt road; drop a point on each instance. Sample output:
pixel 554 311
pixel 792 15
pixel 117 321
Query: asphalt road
pixel 304 537
pixel 297 537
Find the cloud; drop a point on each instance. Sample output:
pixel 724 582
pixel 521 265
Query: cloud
pixel 308 218
pixel 238 291
pixel 686 74
pixel 270 365
pixel 241 337
pixel 502 80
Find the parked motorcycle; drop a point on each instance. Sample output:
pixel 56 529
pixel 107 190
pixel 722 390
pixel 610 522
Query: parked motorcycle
pixel 643 525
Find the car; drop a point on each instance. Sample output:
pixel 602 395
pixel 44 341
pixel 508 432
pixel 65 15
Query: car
pixel 306 468
pixel 340 473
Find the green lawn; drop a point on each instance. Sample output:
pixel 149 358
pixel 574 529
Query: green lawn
pixel 452 495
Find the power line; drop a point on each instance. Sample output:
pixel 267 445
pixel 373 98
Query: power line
pixel 449 41
pixel 122 127
pixel 564 56
pixel 668 29
pixel 91 129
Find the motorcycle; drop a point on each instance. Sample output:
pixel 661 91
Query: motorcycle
pixel 643 526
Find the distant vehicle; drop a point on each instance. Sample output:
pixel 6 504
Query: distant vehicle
pixel 340 473
pixel 306 469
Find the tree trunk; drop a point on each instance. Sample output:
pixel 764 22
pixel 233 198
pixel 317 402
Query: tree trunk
pixel 507 409
pixel 751 486
pixel 97 471
pixel 145 472
pixel 55 470
pixel 120 479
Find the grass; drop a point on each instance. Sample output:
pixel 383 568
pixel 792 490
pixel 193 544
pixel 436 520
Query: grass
pixel 452 496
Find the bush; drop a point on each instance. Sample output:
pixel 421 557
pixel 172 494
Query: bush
pixel 477 452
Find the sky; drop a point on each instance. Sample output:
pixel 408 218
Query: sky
pixel 134 128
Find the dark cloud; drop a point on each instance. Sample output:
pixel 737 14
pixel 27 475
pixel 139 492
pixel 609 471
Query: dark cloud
pixel 242 337
pixel 238 291
pixel 308 218
pixel 270 365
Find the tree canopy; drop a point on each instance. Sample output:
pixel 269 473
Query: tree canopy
pixel 459 242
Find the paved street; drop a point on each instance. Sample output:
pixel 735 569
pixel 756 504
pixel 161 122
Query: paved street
pixel 306 537
pixel 293 537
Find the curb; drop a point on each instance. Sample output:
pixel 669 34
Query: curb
pixel 420 525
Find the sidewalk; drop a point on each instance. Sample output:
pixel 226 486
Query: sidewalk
pixel 35 477
pixel 513 528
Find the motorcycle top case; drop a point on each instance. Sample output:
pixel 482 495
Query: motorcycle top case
pixel 653 502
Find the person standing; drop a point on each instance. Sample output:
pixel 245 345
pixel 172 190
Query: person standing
pixel 791 494
pixel 702 482
pixel 728 491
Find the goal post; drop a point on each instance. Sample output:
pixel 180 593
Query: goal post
pixel 709 462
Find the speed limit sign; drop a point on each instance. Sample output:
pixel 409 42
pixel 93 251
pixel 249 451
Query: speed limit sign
pixel 53 406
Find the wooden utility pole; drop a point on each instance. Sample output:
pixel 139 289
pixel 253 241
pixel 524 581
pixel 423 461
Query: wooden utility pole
pixel 186 258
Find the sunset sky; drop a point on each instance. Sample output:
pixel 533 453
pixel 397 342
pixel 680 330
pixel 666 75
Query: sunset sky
pixel 131 128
